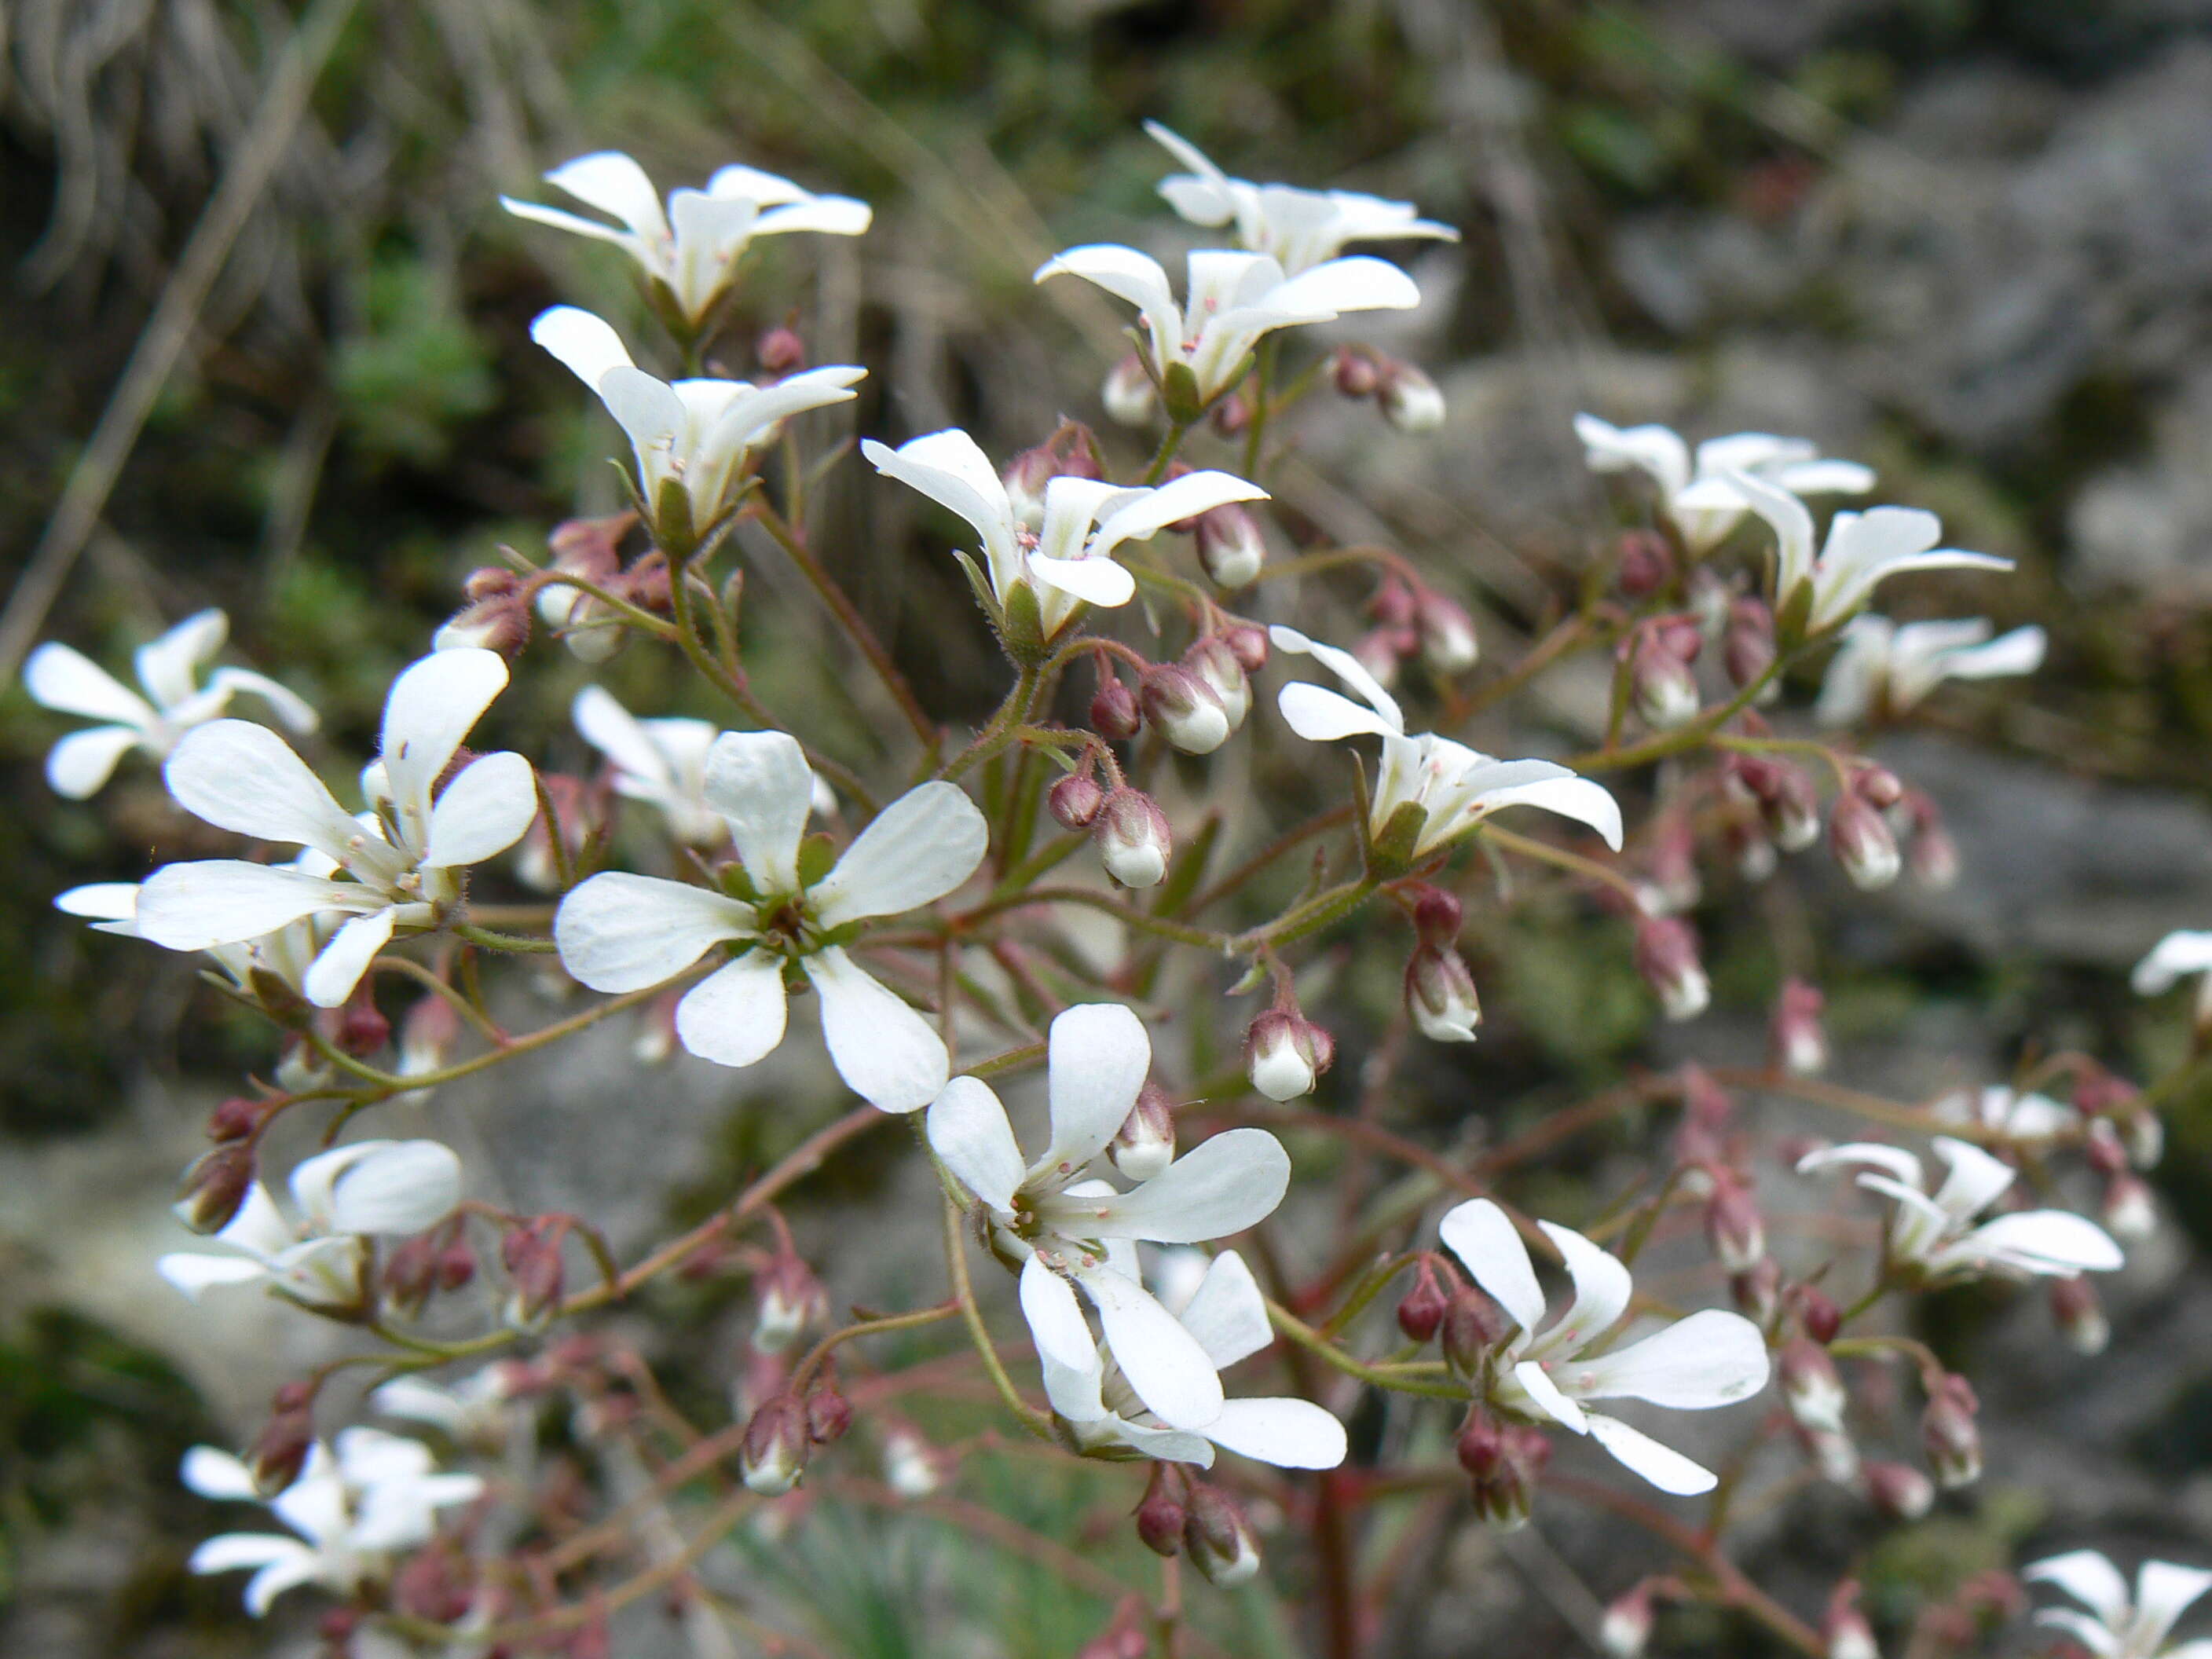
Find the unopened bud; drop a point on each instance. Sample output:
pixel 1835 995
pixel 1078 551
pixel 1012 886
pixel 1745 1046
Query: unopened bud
pixel 280 1451
pixel 1448 645
pixel 1666 957
pixel 1440 995
pixel 1748 646
pixel 1671 886
pixel 790 1297
pixel 362 1029
pixel 779 352
pixel 215 1186
pixel 1071 452
pixel 1949 1434
pixel 1218 1538
pixel 1734 1226
pixel 2131 1215
pixel 1646 563
pixel 1074 801
pixel 1115 715
pixel 1285 1052
pixel 1145 1145
pixel 1505 1461
pixel 1810 1386
pixel 1898 1491
pixel 1410 400
pixel 1474 1329
pixel 411 1271
pixel 1879 786
pixel 1186 711
pixel 233 1119
pixel 1796 1041
pixel 829 1415
pixel 1660 681
pixel 1382 651
pixel 1757 1290
pixel 1249 644
pixel 1844 1630
pixel 531 1255
pixel 1160 1519
pixel 1818 1316
pixel 1421 1310
pixel 1626 1630
pixel 774 1453
pixel 496 618
pixel 912 1468
pixel 1130 397
pixel 1862 844
pixel 2080 1315
pixel 1132 837
pixel 1352 373
pixel 457 1265
pixel 1230 548
pixel 1438 917
pixel 1213 662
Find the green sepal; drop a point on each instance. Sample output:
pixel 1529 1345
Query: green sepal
pixel 737 882
pixel 1022 627
pixel 1793 616
pixel 672 529
pixel 817 855
pixel 279 1000
pixel 1391 853
pixel 1179 393
pixel 981 585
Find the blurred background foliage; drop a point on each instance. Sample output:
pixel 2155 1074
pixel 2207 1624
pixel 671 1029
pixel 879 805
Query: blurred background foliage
pixel 1959 238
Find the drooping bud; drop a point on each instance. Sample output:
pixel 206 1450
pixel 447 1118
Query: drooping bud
pixel 1421 1310
pixel 410 1271
pixel 912 1467
pixel 2127 1120
pixel 457 1264
pixel 780 351
pixel 1505 1461
pixel 1351 371
pixel 496 618
pixel 1186 711
pixel 1757 1290
pixel 2129 1213
pixel 1115 715
pixel 1130 397
pixel 1285 1052
pixel 589 550
pixel 1832 1454
pixel 1074 801
pixel 1382 651
pixel 1249 643
pixel 1949 1434
pixel 530 1252
pixel 1474 1328
pixel 1670 886
pixel 1661 684
pixel 1409 399
pixel 1160 1519
pixel 2080 1315
pixel 829 1415
pixel 233 1119
pixel 1145 1145
pixel 1734 1226
pixel 1844 1629
pixel 280 1451
pixel 774 1453
pixel 1931 855
pixel 1440 995
pixel 1218 1538
pixel 215 1186
pixel 1862 844
pixel 1810 1386
pixel 1230 548
pixel 1448 645
pixel 1071 452
pixel 1133 839
pixel 1878 785
pixel 1792 808
pixel 1796 1041
pixel 1748 646
pixel 1818 1316
pixel 1646 563
pixel 1438 917
pixel 1898 1491
pixel 1666 957
pixel 790 1298
pixel 1213 662
pixel 1626 1630
pixel 362 1029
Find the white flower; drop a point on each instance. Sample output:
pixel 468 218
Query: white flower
pixel 662 763
pixel 2008 1113
pixel 693 439
pixel 1711 1359
pixel 1454 786
pixel 380 1494
pixel 1862 547
pixel 472 1409
pixel 1064 561
pixel 344 1197
pixel 618 931
pixel 2118 1627
pixel 2176 956
pixel 1301 228
pixel 691 249
pixel 1198 349
pixel 1227 1316
pixel 404 859
pixel 1061 1226
pixel 174 702
pixel 286 954
pixel 1792 464
pixel 1883 667
pixel 1935 1233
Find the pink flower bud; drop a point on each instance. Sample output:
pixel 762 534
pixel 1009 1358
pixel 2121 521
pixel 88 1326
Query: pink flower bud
pixel 1898 1491
pixel 362 1029
pixel 2080 1315
pixel 2129 1213
pixel 1448 645
pixel 1748 646
pixel 1284 1054
pixel 1671 885
pixel 1381 651
pixel 233 1119
pixel 1818 1316
pixel 774 1453
pixel 829 1415
pixel 1438 917
pixel 1505 1461
pixel 1862 844
pixel 1132 837
pixel 1879 786
pixel 1074 801
pixel 1160 1519
pixel 1130 397
pixel 530 1253
pixel 410 1271
pixel 1734 1226
pixel 1186 710
pixel 280 1451
pixel 1410 400
pixel 496 618
pixel 1757 1290
pixel 1440 995
pixel 1949 1434
pixel 1353 372
pixel 1115 715
pixel 1660 681
pixel 1230 548
pixel 215 1186
pixel 1796 1041
pixel 1667 958
pixel 1474 1329
pixel 1791 807
pixel 780 351
pixel 1145 1145
pixel 1421 1310
pixel 1646 563
pixel 1810 1386
pixel 1213 662
pixel 790 1297
pixel 1844 1629
pixel 1626 1630
pixel 1249 643
pixel 1231 416
pixel 1218 1538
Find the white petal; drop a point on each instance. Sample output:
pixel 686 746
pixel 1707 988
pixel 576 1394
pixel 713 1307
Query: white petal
pixel 1711 1359
pixel 217 1474
pixel 968 1129
pixel 419 1401
pixel 1223 1185
pixel 229 1551
pixel 761 782
pixel 1347 668
pixel 612 182
pixel 952 469
pixel 244 778
pixel 2091 1633
pixel 1359 283
pixel 1184 498
pixel 587 345
pixel 2177 954
pixel 1479 1235
pixel 1320 715
pixel 192 1272
pixel 1056 1319
pixel 618 931
pixel 1077 1393
pixel 1901 1164
pixel 61 677
pixel 1291 1434
pixel 830 215
pixel 2047 1241
pixel 1128 275
pixel 917 849
pixel 192 907
pixel 402 1187
pixel 338 966
pixel 1656 450
pixel 100 901
pixel 260 1227
pixel 1162 1361
pixel 1824 478
pixel 484 810
pixel 293 710
pixel 2020 651
pixel 2164 1592
pixel 1564 794
pixel 1785 513
pixel 616 733
pixel 169 667
pixel 887 1053
pixel 1550 1398
pixel 1227 1314
pixel 1663 1467
pixel 80 765
pixel 575 223
pixel 433 704
pixel 2087 1576
pixel 736 1014
pixel 1975 1179
pixel 1097 1056
pixel 1098 581
pixel 1601 1290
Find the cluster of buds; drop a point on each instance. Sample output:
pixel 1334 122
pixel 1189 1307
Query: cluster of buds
pixel 1859 834
pixel 1785 807
pixel 1285 1052
pixel 1196 703
pixel 1949 1433
pixel 1666 957
pixel 1416 621
pixel 1505 1461
pixel 1409 400
pixel 439 1261
pixel 1440 995
pixel 1181 1515
pixel 781 1435
pixel 1072 452
pixel 1748 650
pixel 1656 656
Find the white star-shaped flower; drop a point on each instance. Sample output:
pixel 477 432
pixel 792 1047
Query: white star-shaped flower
pixel 1301 228
pixel 2119 1625
pixel 662 763
pixel 344 1197
pixel 1711 1359
pixel 1660 453
pixel 2173 959
pixel 168 670
pixel 1066 559
pixel 691 249
pixel 694 440
pixel 1882 668
pixel 1059 1225
pixel 1936 1233
pixel 403 860
pixel 2006 1112
pixel 354 1511
pixel 111 907
pixel 1454 787
pixel 619 932
pixel 1198 349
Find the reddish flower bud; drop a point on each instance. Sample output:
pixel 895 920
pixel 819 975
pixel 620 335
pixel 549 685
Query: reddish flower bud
pixel 1351 371
pixel 1626 1630
pixel 2080 1315
pixel 790 1298
pixel 1862 844
pixel 1074 801
pixel 1218 1538
pixel 457 1265
pixel 1666 957
pixel 1796 1041
pixel 1230 547
pixel 774 1453
pixel 1250 644
pixel 1134 838
pixel 1660 683
pixel 362 1029
pixel 530 1253
pixel 1231 416
pixel 779 352
pixel 1440 995
pixel 1506 1461
pixel 215 1186
pixel 1393 605
pixel 1070 453
pixel 1438 917
pixel 1474 1328
pixel 829 1415
pixel 1810 1386
pixel 1421 1310
pixel 1671 886
pixel 1284 1053
pixel 1748 646
pixel 1115 715
pixel 1145 1145
pixel 1447 634
pixel 1187 712
pixel 410 1271
pixel 1734 1226
pixel 280 1451
pixel 233 1119
pixel 1646 564
pixel 1213 662
pixel 1949 1434
pixel 1410 400
pixel 1878 787
pixel 1898 1491
pixel 1818 1316
pixel 1160 1519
